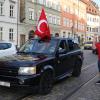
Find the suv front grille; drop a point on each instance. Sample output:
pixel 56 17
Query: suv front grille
pixel 8 71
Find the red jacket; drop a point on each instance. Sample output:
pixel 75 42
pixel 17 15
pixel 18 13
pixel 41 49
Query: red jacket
pixel 98 49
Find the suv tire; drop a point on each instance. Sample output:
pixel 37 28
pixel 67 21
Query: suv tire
pixel 77 69
pixel 46 83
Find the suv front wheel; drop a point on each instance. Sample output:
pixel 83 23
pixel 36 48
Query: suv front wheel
pixel 46 82
pixel 77 68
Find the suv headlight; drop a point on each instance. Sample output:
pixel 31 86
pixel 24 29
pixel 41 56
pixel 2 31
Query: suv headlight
pixel 27 70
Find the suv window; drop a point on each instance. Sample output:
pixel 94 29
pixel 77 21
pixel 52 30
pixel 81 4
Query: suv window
pixel 4 46
pixel 70 44
pixel 63 45
pixel 76 46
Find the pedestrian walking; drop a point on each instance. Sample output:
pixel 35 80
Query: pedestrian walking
pixel 98 52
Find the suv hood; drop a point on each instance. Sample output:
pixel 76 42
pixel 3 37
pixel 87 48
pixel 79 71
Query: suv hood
pixel 21 60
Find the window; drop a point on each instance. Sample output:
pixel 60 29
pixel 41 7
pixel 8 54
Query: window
pixel 76 46
pixel 47 3
pixel 90 29
pixel 58 20
pixel 1 8
pixel 1 33
pixel 44 2
pixel 41 1
pixel 54 19
pixel 97 30
pixel 11 34
pixel 31 14
pixel 33 0
pixel 11 11
pixel 64 22
pixel 63 46
pixel 4 46
pixel 87 28
pixel 71 23
pixel 71 45
pixel 50 18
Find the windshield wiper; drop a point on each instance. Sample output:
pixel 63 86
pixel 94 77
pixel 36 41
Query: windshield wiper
pixel 24 52
pixel 30 53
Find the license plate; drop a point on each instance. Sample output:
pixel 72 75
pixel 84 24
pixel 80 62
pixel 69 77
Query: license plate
pixel 7 84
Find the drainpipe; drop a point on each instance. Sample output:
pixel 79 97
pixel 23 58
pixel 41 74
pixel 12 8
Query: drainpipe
pixel 17 20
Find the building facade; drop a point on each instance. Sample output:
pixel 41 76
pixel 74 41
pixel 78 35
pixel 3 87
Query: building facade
pixel 8 20
pixel 93 21
pixel 29 15
pixel 18 18
pixel 73 18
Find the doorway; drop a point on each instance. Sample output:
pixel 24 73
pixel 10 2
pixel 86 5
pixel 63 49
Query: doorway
pixel 22 39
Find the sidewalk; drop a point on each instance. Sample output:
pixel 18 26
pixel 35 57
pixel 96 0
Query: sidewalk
pixel 89 91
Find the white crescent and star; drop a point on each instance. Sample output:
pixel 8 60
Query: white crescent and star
pixel 39 24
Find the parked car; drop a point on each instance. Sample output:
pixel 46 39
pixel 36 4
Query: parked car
pixel 88 45
pixel 40 63
pixel 7 48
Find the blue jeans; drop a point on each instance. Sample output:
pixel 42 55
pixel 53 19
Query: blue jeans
pixel 99 65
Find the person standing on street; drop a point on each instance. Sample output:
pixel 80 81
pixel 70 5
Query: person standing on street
pixel 56 34
pixel 98 52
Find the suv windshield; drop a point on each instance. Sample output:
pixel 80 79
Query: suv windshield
pixel 36 46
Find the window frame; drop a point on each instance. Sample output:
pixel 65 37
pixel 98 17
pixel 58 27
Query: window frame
pixel 11 34
pixel 31 14
pixel 11 11
pixel 1 8
pixel 66 46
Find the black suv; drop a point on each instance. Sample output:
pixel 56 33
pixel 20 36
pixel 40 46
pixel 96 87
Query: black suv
pixel 40 64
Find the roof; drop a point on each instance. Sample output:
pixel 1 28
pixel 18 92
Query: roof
pixel 54 38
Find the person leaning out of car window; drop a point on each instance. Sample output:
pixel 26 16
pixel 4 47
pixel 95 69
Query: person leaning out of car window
pixel 31 34
pixel 98 50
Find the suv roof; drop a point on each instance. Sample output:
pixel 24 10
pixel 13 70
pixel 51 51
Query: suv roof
pixel 57 38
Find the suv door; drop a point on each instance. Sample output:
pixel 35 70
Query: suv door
pixel 62 60
pixel 72 52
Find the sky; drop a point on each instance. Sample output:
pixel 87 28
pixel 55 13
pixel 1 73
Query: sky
pixel 98 2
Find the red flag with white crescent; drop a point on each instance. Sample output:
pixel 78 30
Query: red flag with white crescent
pixel 42 29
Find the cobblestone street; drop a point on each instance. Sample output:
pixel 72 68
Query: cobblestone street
pixel 90 91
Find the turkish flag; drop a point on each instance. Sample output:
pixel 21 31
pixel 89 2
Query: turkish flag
pixel 42 29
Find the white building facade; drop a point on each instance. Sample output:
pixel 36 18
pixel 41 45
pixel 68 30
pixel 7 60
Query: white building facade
pixel 93 22
pixel 93 26
pixel 8 20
